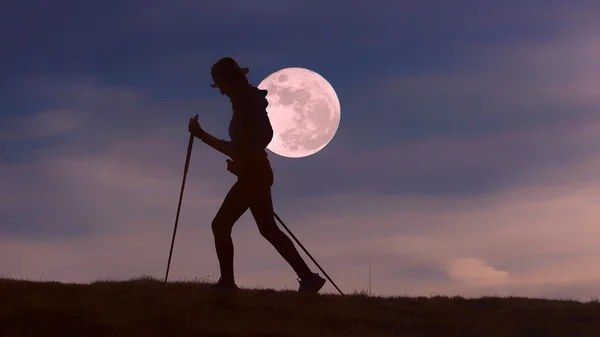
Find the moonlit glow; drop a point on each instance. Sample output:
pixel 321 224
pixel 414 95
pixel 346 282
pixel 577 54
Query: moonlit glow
pixel 304 111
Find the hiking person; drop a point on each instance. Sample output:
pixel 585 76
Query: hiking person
pixel 250 131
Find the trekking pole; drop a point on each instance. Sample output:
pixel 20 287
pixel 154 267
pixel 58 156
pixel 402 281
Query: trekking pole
pixel 307 253
pixel 185 170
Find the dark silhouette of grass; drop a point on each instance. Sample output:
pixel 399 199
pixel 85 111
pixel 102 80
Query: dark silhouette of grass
pixel 144 307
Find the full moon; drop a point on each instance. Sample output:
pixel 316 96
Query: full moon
pixel 304 111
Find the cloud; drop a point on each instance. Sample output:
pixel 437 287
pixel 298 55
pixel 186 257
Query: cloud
pixel 91 117
pixel 95 217
pixel 545 239
pixel 145 131
pixel 483 87
pixel 42 125
pixel 71 192
pixel 476 272
pixel 448 165
pixel 515 111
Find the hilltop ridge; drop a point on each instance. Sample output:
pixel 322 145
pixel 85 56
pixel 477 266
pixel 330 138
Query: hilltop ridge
pixel 144 307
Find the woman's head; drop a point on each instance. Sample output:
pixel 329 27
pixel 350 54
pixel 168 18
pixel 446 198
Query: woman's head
pixel 228 75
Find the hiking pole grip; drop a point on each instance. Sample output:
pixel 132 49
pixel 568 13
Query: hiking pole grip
pixel 185 170
pixel 307 253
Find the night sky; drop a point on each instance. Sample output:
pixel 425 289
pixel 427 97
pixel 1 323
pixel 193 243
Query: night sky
pixel 467 159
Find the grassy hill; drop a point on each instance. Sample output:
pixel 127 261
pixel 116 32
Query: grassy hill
pixel 143 307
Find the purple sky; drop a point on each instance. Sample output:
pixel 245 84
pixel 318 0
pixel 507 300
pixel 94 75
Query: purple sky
pixel 467 160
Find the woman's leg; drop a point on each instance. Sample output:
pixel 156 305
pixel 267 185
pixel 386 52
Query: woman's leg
pixel 233 207
pixel 261 206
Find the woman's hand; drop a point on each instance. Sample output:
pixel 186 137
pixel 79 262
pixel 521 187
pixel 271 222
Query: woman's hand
pixel 194 127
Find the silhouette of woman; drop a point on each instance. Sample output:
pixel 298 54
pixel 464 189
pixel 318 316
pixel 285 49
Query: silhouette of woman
pixel 250 132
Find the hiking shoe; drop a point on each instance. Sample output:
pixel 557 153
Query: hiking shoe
pixel 312 284
pixel 224 285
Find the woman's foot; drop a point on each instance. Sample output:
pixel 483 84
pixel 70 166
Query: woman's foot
pixel 224 285
pixel 312 284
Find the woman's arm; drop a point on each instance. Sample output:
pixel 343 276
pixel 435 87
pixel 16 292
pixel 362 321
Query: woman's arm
pixel 220 145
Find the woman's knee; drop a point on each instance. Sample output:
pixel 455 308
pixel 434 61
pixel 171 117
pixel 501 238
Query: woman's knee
pixel 270 230
pixel 221 226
